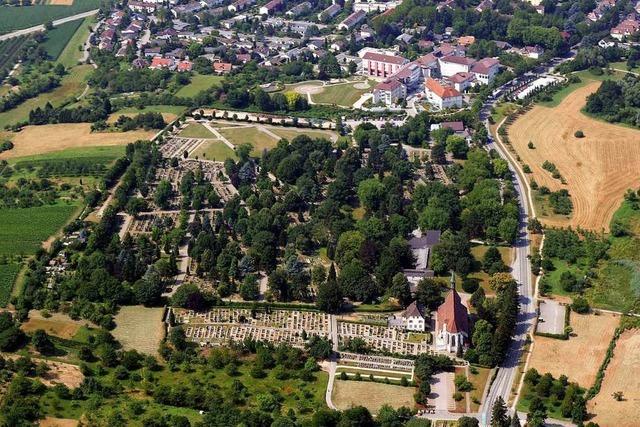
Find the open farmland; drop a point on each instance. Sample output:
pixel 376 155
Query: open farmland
pixel 17 18
pixel 58 38
pixel 139 328
pixel 24 230
pixel 33 140
pixel 621 375
pixel 590 339
pixel 71 86
pixel 371 395
pixel 598 168
pixel 8 273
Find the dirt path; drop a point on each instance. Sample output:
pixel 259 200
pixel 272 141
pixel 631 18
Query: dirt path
pixel 598 168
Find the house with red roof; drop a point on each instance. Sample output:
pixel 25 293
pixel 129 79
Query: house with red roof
pixel 442 95
pixel 158 63
pixel 184 66
pixel 485 70
pixel 452 323
pixel 375 64
pixel 222 67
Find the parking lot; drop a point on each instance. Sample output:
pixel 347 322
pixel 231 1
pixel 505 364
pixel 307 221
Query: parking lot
pixel 551 318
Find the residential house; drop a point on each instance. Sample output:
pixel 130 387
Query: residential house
pixel 139 6
pixel 462 81
pixel 184 66
pixel 222 67
pixel 411 319
pixel 158 63
pixel 626 28
pixel 352 20
pixel 485 70
pixel 450 65
pixel 240 5
pixel 271 7
pixel 329 12
pixel 298 9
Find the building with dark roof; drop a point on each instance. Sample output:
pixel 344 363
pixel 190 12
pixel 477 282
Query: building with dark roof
pixel 411 319
pixel 421 245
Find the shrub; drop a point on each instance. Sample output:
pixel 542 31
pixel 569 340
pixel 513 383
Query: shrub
pixel 470 285
pixel 579 134
pixel 526 169
pixel 580 305
pixel 530 145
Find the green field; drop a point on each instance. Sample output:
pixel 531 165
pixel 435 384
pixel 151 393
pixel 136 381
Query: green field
pixel 58 38
pixel 17 18
pixel 196 130
pixel 8 273
pixel 24 230
pixel 343 94
pixel 214 150
pixel 250 135
pixel 70 55
pixel 105 154
pixel 173 109
pixel 290 133
pixel 199 82
pixel 71 86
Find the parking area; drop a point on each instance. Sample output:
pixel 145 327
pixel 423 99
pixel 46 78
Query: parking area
pixel 551 318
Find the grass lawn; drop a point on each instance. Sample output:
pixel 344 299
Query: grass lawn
pixel 169 109
pixel 8 274
pixel 342 94
pixel 199 82
pixel 16 18
pixel 24 230
pixel 214 150
pixel 251 135
pixel 479 381
pixel 289 133
pixel 622 65
pixel 196 130
pixel 502 110
pixel 585 76
pixel 140 328
pixel 553 410
pixel 553 277
pixel 71 54
pixel 106 154
pixel 373 396
pixel 612 289
pixel 478 252
pixel 71 86
pixel 59 37
pixel 629 217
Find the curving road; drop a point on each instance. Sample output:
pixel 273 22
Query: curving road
pixel 57 22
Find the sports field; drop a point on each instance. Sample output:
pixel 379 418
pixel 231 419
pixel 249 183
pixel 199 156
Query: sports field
pixel 620 376
pixel 35 140
pixel 199 82
pixel 371 395
pixel 24 230
pixel 598 168
pixel 589 341
pixel 71 86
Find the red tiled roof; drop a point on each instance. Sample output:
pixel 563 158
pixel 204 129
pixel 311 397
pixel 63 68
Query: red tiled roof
pixel 453 314
pixel 440 90
pixel 462 60
pixel 374 56
pixel 484 65
pixel 388 85
pixel 461 77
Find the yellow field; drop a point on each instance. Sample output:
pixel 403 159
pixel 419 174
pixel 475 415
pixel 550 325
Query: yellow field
pixel 580 356
pixel 44 139
pixel 621 375
pixel 58 324
pixel 598 168
pixel 371 395
pixel 139 328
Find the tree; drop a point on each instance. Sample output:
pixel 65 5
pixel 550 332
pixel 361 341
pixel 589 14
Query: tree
pixel 537 413
pixel 618 396
pixel 328 298
pixel 515 421
pixel 508 229
pixel 371 193
pixel 400 289
pixel 42 343
pixel 468 422
pixel 188 296
pixel 163 194
pixel 429 293
pixel 499 415
pixel 358 416
pixel 249 289
pixel 500 281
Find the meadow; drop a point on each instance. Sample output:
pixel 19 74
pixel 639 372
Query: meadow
pixel 70 55
pixel 199 82
pixel 17 18
pixel 58 38
pixel 8 273
pixel 24 230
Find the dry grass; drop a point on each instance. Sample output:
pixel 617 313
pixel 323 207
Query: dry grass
pixel 621 375
pixel 581 355
pixel 373 396
pixel 58 422
pixel 59 325
pixel 139 328
pixel 61 2
pixel 63 373
pixel 168 117
pixel 598 168
pixel 34 140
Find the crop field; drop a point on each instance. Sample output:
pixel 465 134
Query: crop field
pixel 598 168
pixel 8 273
pixel 9 51
pixel 371 395
pixel 70 55
pixel 199 82
pixel 590 339
pixel 139 328
pixel 58 38
pixel 169 112
pixel 35 140
pixel 621 375
pixel 71 86
pixel 24 230
pixel 17 18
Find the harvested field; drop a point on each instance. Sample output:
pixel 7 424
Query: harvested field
pixel 48 138
pixel 61 2
pixel 589 341
pixel 371 395
pixel 598 168
pixel 58 324
pixel 58 422
pixel 139 328
pixel 620 376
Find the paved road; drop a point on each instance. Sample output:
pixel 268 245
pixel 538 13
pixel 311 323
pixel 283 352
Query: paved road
pixel 41 27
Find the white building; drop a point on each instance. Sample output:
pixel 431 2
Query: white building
pixel 453 64
pixel 442 96
pixel 412 319
pixel 375 64
pixel 352 20
pixel 389 92
pixel 486 70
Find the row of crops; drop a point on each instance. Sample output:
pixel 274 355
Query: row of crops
pixel 10 50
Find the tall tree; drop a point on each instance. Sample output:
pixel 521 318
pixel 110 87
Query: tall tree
pixel 499 416
pixel 329 298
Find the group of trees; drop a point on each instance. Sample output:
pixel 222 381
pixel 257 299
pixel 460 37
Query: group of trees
pixel 544 391
pixel 98 108
pixel 617 101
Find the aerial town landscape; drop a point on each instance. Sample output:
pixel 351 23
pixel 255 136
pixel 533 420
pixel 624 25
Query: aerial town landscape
pixel 323 213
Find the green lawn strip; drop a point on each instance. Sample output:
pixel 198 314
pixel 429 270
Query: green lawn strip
pixel 8 274
pixel 250 135
pixel 71 86
pixel 58 38
pixel 196 130
pixel 16 18
pixel 72 53
pixel 174 109
pixel 341 94
pixel 199 82
pixel 364 373
pixel 24 230
pixel 214 150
